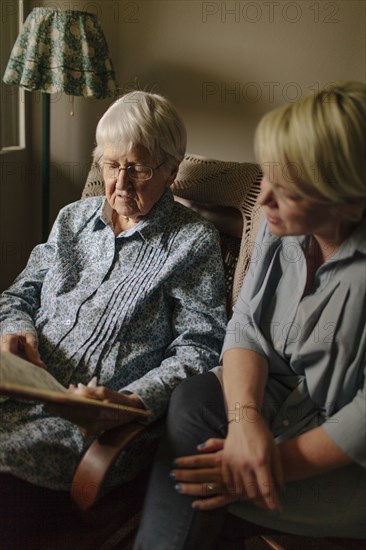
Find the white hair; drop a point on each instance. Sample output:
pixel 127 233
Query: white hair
pixel 141 118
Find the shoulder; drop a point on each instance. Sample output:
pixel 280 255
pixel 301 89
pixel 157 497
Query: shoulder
pixel 76 216
pixel 81 210
pixel 82 206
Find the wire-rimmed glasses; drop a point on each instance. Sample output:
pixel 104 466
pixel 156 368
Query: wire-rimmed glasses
pixel 136 171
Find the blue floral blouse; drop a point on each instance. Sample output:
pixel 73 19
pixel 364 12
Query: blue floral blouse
pixel 141 311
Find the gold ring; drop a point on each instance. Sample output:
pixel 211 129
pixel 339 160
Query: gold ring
pixel 211 487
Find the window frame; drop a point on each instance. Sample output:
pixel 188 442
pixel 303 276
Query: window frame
pixel 20 141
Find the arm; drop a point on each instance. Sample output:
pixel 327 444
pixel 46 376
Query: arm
pixel 319 450
pixel 310 454
pixel 251 464
pixel 245 376
pixel 339 441
pixel 196 291
pixel 21 301
pixel 19 305
pixel 307 455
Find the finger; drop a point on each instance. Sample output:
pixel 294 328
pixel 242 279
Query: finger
pixel 9 342
pixel 234 478
pixel 101 393
pixel 81 391
pixel 13 343
pixel 201 489
pixel 278 469
pixel 30 347
pixel 270 496
pixel 227 476
pixel 211 445
pixel 87 392
pixel 238 486
pixel 214 502
pixel 197 461
pixel 267 490
pixel 200 475
pixel 249 485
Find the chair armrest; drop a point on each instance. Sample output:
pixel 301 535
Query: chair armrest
pixel 98 460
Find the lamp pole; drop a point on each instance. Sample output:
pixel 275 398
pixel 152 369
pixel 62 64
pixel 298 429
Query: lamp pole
pixel 45 165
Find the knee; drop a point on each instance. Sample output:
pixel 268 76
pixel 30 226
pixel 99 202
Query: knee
pixel 195 401
pixel 188 395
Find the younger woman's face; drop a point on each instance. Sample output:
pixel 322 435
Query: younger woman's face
pixel 290 214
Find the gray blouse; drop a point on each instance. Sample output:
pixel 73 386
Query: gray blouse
pixel 141 311
pixel 315 344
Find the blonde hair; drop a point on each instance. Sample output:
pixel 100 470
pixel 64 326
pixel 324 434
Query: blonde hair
pixel 319 144
pixel 142 118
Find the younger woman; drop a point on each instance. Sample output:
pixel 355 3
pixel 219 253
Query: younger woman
pixel 284 437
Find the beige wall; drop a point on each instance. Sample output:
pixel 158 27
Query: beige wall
pixel 222 63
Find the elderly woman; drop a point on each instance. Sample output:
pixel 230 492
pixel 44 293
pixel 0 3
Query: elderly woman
pixel 292 410
pixel 129 288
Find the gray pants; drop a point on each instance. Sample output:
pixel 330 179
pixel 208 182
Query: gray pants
pixel 169 522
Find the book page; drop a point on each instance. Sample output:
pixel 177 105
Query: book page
pixel 15 370
pixel 22 379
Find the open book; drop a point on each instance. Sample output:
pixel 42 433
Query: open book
pixel 21 379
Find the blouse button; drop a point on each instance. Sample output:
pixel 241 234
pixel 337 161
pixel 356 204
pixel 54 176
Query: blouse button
pixel 286 422
pixel 278 344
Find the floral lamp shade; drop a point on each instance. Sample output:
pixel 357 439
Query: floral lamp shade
pixel 62 51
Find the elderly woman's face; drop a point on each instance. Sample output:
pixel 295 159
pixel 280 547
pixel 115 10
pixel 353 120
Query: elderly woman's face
pixel 129 195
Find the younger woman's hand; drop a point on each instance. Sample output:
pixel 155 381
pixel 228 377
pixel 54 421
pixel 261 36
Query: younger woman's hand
pixel 251 463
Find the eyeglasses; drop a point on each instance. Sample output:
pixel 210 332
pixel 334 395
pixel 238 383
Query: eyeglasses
pixel 137 172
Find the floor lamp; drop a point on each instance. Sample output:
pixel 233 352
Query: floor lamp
pixel 60 51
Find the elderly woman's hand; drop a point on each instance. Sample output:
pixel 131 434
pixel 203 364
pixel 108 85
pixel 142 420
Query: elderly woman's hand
pixel 94 421
pixel 23 344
